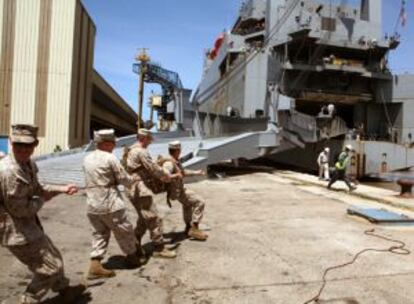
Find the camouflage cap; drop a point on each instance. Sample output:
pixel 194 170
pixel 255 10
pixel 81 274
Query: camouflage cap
pixel 24 134
pixel 144 132
pixel 174 145
pixel 104 135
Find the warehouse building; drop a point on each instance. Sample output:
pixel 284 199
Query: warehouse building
pixel 47 76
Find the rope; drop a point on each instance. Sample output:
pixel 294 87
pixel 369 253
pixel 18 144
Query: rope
pixel 82 189
pixel 399 249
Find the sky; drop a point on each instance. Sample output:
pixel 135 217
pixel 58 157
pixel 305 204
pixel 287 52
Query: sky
pixel 177 32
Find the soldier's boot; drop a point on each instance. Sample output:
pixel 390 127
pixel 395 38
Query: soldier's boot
pixel 187 229
pixel 141 254
pixel 163 252
pixel 97 271
pixel 27 300
pixel 71 293
pixel 196 234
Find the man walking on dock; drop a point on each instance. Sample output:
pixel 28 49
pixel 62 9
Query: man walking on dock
pixel 106 206
pixel 341 167
pixel 323 163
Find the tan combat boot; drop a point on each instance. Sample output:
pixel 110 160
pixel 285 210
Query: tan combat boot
pixel 25 299
pixel 71 293
pixel 162 252
pixel 197 234
pixel 97 271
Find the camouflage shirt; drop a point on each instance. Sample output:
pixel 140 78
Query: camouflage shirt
pixel 176 186
pixel 103 175
pixel 139 162
pixel 21 197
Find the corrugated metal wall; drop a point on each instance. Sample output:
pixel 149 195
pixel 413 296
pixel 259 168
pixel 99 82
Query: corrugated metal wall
pixel 25 61
pixel 84 42
pixel 8 8
pixel 42 77
pixel 46 58
pixel 2 72
pixel 1 28
pixel 59 75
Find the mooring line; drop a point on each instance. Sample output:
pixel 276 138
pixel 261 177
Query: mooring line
pixel 399 249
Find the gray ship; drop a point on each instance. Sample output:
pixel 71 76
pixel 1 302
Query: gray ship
pixel 310 74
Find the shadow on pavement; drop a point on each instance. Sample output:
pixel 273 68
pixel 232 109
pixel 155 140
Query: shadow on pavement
pixel 175 236
pixel 116 262
pixel 83 299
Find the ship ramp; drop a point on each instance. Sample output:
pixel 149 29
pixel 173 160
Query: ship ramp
pixel 197 153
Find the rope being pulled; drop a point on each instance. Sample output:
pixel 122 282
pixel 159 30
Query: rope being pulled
pixel 399 248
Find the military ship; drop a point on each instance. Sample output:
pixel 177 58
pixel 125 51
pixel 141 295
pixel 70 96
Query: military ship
pixel 288 79
pixel 314 73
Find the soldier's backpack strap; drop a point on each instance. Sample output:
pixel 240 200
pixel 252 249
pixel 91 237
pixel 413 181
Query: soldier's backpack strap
pixel 124 158
pixel 164 187
pixel 161 160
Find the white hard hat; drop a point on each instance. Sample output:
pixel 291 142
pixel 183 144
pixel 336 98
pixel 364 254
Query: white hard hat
pixel 327 149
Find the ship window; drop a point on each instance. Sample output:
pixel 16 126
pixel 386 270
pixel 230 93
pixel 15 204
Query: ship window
pixel 329 24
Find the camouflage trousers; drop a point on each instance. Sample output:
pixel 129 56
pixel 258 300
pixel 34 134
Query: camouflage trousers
pixel 193 206
pixel 148 219
pixel 45 261
pixel 121 227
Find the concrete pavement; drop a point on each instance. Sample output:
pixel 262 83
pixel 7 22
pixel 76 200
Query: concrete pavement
pixel 385 196
pixel 270 240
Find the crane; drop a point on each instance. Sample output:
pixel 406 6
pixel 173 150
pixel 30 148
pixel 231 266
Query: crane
pixel 172 90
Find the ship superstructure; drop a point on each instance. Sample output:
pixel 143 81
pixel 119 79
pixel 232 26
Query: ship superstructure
pixel 309 70
pixel 300 55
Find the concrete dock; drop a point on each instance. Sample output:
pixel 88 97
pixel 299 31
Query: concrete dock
pixel 271 238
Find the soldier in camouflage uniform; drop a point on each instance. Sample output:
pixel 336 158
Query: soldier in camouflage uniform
pixel 106 206
pixel 21 198
pixel 193 206
pixel 152 177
